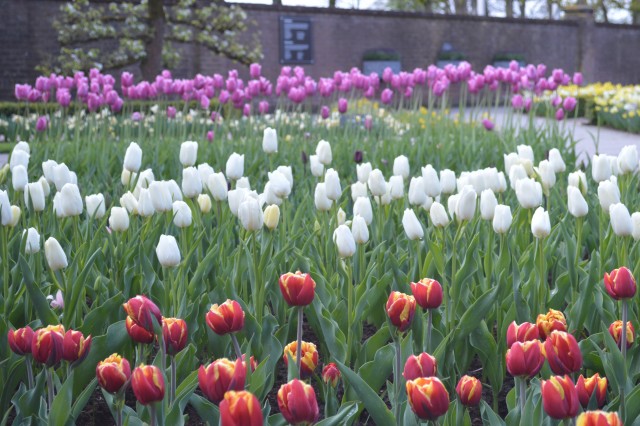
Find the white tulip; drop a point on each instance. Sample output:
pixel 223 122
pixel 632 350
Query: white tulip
pixel 332 184
pixel 15 216
pixel 250 214
pixel 235 166
pixel 287 172
pixel 547 175
pixel 385 200
pixel 438 215
pixel 5 209
pixel 466 205
pixel 427 204
pixel 133 158
pixel 323 151
pixel 608 194
pixel 501 184
pixel 279 184
pixel 502 219
pixel 126 177
pixel 628 159
pixel 32 244
pixel 510 160
pixel 204 202
pixel 448 181
pixel 529 193
pixel 235 198
pixel 620 220
pixel 61 176
pixel 160 196
pixel 540 224
pixel 218 187
pixel 317 168
pixel 34 196
pixel 517 173
pixel 19 158
pixel 376 183
pixel 271 216
pixel 204 171
pixel 269 196
pixel 360 230
pixel 19 178
pixel 129 202
pixel 269 141
pixel 70 200
pixel 168 252
pixel 431 182
pixel 174 189
pixel 358 190
pixel 600 168
pixel 525 152
pixel 555 158
pixel 48 168
pixel 95 205
pixel 363 171
pixel 46 189
pixel 579 180
pixel 362 207
pixel 576 203
pixel 119 219
pixel 396 187
pixel 322 202
pixel 613 160
pixel 57 206
pixel 401 167
pixel 22 146
pixel 341 216
pixel 635 218
pixel 145 203
pixel 56 258
pixel 412 226
pixel 145 178
pixel 191 183
pixel 188 153
pixel 182 216
pixel 417 196
pixel 452 202
pixel 344 240
pixel 488 203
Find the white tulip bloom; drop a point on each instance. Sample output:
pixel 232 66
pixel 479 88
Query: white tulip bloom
pixel 133 158
pixel 191 183
pixel 627 160
pixel 188 153
pixel 620 220
pixel 217 185
pixel 168 252
pixel 332 184
pixel 5 209
pixel 363 171
pixel 431 182
pixel 608 194
pixel 576 203
pixel 635 219
pixel 466 205
pixel 235 197
pixel 488 203
pixel 362 207
pixel 71 201
pixel 322 202
pixel 250 214
pixel 525 152
pixel 601 168
pixel 358 190
pixel 204 171
pixel 119 219
pixel 160 196
pixel 343 238
pixel 235 166
pixel 32 244
pixel 56 258
pixel 396 187
pixel 204 202
pixel 145 204
pixel 34 196
pixel 360 230
pixel 129 202
pixel 19 158
pixel 529 193
pixel 317 168
pixel 557 163
pixel 279 184
pixel 448 181
pixel 401 167
pixel 19 178
pixel 438 215
pixel 411 225
pixel 540 224
pixel 376 183
pixel 502 219
pixel 269 141
pixel 95 205
pixel 417 196
pixel 579 180
pixel 182 216
pixel 323 151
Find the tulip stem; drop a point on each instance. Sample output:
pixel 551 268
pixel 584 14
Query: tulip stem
pixel 349 310
pixel 236 345
pixel 427 345
pixel 523 394
pixel 152 411
pixel 27 360
pixel 299 341
pixel 397 380
pixel 50 390
pixel 623 349
pixel 172 395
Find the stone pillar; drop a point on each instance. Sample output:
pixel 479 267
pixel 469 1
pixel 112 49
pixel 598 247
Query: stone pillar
pixel 582 14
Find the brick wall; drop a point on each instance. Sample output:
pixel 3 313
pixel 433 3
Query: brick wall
pixel 603 52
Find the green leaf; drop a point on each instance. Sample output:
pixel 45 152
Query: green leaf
pixel 40 302
pixel 343 416
pixel 489 417
pixel 59 413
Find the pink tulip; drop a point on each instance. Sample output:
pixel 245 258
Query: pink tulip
pixel 42 123
pixel 488 124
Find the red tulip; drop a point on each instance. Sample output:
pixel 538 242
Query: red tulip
pixel 113 373
pixel 75 347
pixel 252 362
pixel 428 293
pixel 20 340
pixel 137 333
pixel 586 387
pixel 174 333
pixel 563 353
pixel 297 403
pixel 220 376
pixel 598 418
pixel 469 391
pixel 615 330
pixel 147 382
pixel 46 346
pixel 400 308
pixel 521 333
pixel 620 283
pixel 141 309
pixel 552 320
pixel 559 397
pixel 423 365
pixel 525 359
pixel 240 409
pixel 297 289
pixel 226 318
pixel 331 374
pixel 308 359
pixel 428 397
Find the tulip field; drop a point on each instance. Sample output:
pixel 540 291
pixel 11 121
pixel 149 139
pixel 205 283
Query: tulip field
pixel 340 251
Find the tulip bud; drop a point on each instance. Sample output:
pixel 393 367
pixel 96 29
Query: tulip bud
pixel 559 397
pixel 469 391
pixel 321 201
pixel 75 347
pixel 401 167
pixel 61 176
pixel 34 196
pixel 540 226
pixel 432 186
pixel 48 168
pixel 70 199
pixel 221 376
pixel 32 244
pixel 332 184
pixel 19 178
pixel 488 203
pixel 168 252
pixel 19 158
pixel 341 216
pixel 529 193
pixel 113 373
pixel 422 365
pixel 525 359
pixel 428 397
pixel 363 171
pixel 620 220
pixel 615 330
pixel 240 408
pixel 576 203
pixel 297 289
pixel 557 163
pixel 323 151
pixel 608 194
pixel 95 205
pixel 447 181
pixel 271 216
pixel 438 215
pixel 297 403
pixel 15 216
pixel 308 360
pixel 182 216
pixel 600 168
pixel 343 238
pixel 376 183
pixel 417 196
pixel 549 322
pixel 129 202
pixel 269 141
pixel 250 214
pixel 525 152
pixel 396 187
pixel 235 166
pixel 362 207
pixel 317 168
pixel 46 346
pixel 627 160
pixel 598 418
pixel 331 374
pixel 5 209
pixel 119 219
pixel 521 333
pixel 563 353
pixel 132 158
pixel 147 382
pixel 174 334
pixel 547 175
pixel 280 184
pixel 579 180
pixel 204 202
pixel 188 153
pixel 161 196
pixel 191 183
pixel 56 258
pixel 227 317
pixel 20 340
pixel 412 226
pixel 359 230
pixel 586 387
pixel 620 283
pixel 400 309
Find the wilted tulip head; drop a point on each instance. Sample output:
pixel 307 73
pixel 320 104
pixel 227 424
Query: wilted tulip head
pixel 309 357
pixel 551 321
pixel 620 283
pixel 113 373
pixel 225 318
pixel 298 289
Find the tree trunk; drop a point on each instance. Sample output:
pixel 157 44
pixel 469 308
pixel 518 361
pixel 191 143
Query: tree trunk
pixel 550 9
pixel 486 7
pixel 474 7
pixel 523 4
pixel 332 4
pixel 461 7
pixel 509 7
pixel 151 65
pixel 605 12
pixel 277 2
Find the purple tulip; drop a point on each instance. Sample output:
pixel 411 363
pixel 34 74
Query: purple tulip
pixel 517 101
pixel 255 70
pixel 528 103
pixel 569 103
pixel 488 124
pixel 22 92
pixel 246 110
pixel 577 79
pixel 93 102
pixel 117 105
pixel 210 135
pixel 556 101
pixel 387 96
pixel 387 75
pixel 357 157
pixel 136 116
pixel 324 112
pixel 63 97
pixel 42 123
pixel 560 114
pixel 368 122
pixel 204 102
pixel 342 105
pixel 263 107
pixel 224 97
pixel 171 112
